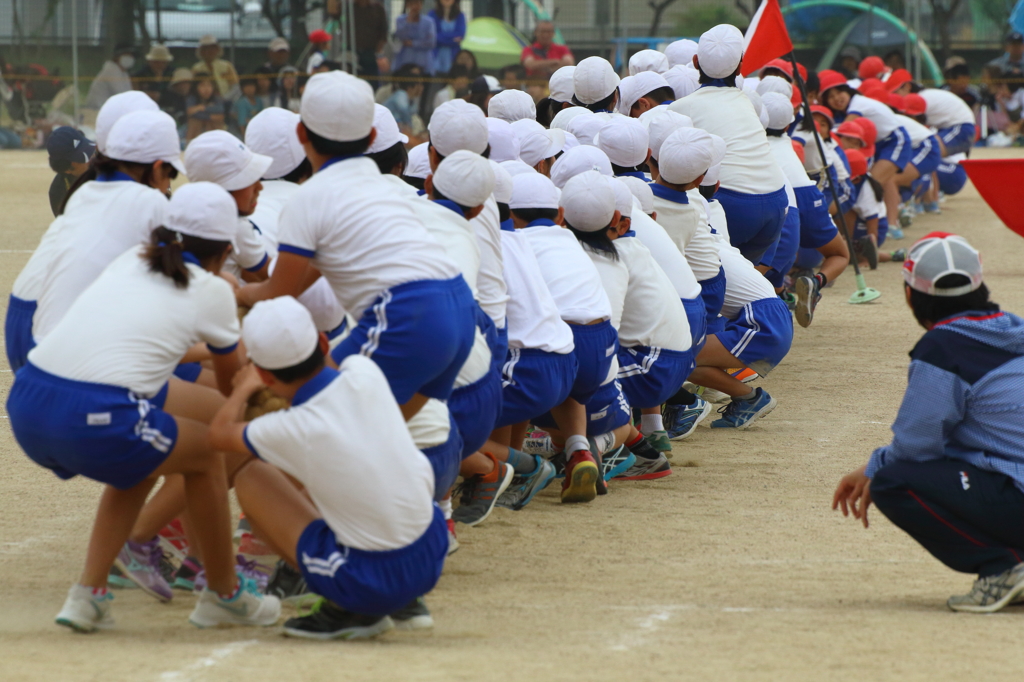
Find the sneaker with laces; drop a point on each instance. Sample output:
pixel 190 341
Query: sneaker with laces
pixel 413 616
pixel 479 496
pixel 328 621
pixel 866 247
pixel 173 541
pixel 991 593
pixel 741 414
pixel 660 441
pixel 807 297
pixel 617 462
pixel 524 486
pixel 906 216
pixel 453 541
pixel 140 563
pixel 931 207
pixel 647 469
pixel 84 612
pixel 251 569
pixel 581 474
pixel 744 374
pixel 117 581
pixel 286 583
pixel 185 576
pixel 898 256
pixel 247 607
pixel 682 420
pixel 601 484
pixel 896 232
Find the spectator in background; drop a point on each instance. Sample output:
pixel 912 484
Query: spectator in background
pixel 403 102
pixel 278 54
pixel 113 78
pixel 849 61
pixel 371 34
pixel 1011 62
pixel 958 81
pixel 894 60
pixel 174 100
pixel 204 107
pixel 450 28
pixel 481 90
pixel 154 77
pixel 458 85
pixel 248 105
pixel 468 59
pixel 544 57
pixel 318 42
pixel 511 77
pixel 266 84
pixel 69 151
pixel 288 95
pixel 417 37
pixel 221 70
pixel 1003 101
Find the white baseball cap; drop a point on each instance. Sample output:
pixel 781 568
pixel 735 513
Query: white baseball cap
pixel 579 160
pixel 511 106
pixel 588 201
pixel 648 60
pixel 145 137
pixel 660 124
pixel 502 183
pixel 560 87
pixel 338 106
pixel 272 133
pixel 388 134
pixel 779 109
pixel 632 88
pixel 773 84
pixel 624 140
pixel 517 167
pixel 585 128
pixel 717 156
pixel 939 254
pixel 503 140
pixel 204 210
pixel 537 143
pixel 720 51
pixel 594 80
pixel 680 53
pixel 565 116
pixel 279 333
pixel 685 155
pixel 641 190
pixel 220 157
pixel 570 141
pixel 623 197
pixel 533 190
pixel 684 80
pixel 465 178
pixel 116 107
pixel 419 162
pixel 456 125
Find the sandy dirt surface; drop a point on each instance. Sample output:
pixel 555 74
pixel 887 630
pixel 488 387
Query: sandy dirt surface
pixel 733 569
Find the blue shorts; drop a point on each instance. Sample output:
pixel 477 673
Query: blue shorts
pixel 927 157
pixel 339 330
pixel 596 345
pixel 500 348
pixel 188 371
pixel 808 259
pixel 476 409
pixel 533 382
pixel 952 178
pixel 446 459
pixel 761 336
pixel 755 220
pixel 650 376
pixel 106 433
pixel 958 139
pixel 712 293
pixel 608 409
pixel 860 231
pixel 18 331
pixel 816 226
pixel 372 583
pixel 895 148
pixel 698 319
pixel 785 252
pixel 419 334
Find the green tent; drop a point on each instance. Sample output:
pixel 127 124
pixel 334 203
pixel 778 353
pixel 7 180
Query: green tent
pixel 495 43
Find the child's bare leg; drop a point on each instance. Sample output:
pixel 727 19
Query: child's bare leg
pixel 114 518
pixel 275 506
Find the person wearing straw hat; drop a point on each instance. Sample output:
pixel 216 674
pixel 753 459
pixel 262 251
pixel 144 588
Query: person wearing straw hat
pixel 221 70
pixel 153 78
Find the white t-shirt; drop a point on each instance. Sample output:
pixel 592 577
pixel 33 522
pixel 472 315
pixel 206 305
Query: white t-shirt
pixel 614 279
pixel 945 109
pixel 248 250
pixel 102 221
pixel 491 280
pixel 132 326
pixel 917 132
pixel 29 284
pixel 688 228
pixel 743 283
pixel 571 278
pixel 882 116
pixel 789 162
pixel 275 194
pixel 652 313
pixel 717 220
pixel 321 441
pixel 665 253
pixel 346 220
pixel 532 314
pixel 748 166
pixel 867 206
pixel 430 426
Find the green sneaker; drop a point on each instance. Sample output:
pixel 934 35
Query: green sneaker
pixel 659 441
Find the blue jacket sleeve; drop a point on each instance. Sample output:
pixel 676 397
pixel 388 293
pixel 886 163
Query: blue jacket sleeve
pixel 427 38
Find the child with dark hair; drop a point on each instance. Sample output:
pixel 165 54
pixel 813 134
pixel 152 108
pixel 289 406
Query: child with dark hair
pixel 248 105
pixel 204 107
pixel 69 154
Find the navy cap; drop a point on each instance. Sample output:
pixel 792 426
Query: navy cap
pixel 1014 37
pixel 68 144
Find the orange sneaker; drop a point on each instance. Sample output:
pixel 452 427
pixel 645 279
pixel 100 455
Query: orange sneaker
pixel 581 474
pixel 746 375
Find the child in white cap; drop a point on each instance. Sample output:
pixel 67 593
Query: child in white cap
pixel 752 184
pixel 97 399
pixel 626 143
pixel 680 53
pixel 511 106
pixel 415 311
pixel 538 146
pixel 366 554
pixel 643 92
pixel 596 86
pixel 648 61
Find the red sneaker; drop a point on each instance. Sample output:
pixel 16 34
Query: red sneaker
pixel 581 474
pixel 453 542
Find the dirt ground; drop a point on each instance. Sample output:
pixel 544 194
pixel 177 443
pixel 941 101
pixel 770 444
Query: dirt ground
pixel 733 569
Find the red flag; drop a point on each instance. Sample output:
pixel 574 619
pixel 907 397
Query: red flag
pixel 766 38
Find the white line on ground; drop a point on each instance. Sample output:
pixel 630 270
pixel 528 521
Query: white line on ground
pixel 17 251
pixel 198 667
pixel 20 546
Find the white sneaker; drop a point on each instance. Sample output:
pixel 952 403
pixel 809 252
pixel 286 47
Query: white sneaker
pixel 248 607
pixel 83 612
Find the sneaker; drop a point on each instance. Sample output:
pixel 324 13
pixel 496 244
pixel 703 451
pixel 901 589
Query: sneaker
pixel 479 496
pixel 898 256
pixel 453 541
pixel 242 528
pixel 931 207
pixel 866 248
pixel 682 420
pixel 601 484
pixel 807 297
pixel 744 374
pixel 740 414
pixel 328 621
pixel 581 474
pixel 173 541
pixel 413 616
pixel 286 583
pixel 660 441
pixel 538 442
pixel 991 593
pixel 185 576
pixel 896 232
pixel 140 563
pixel 789 299
pixel 906 216
pixel 117 580
pixel 247 607
pixel 252 570
pixel 558 460
pixel 617 462
pixel 524 486
pixel 647 469
pixel 83 612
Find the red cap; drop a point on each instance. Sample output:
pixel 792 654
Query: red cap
pixel 897 78
pixel 868 84
pixel 782 65
pixel 830 79
pixel 858 163
pixel 796 99
pixel 869 130
pixel 319 36
pixel 824 111
pixel 850 129
pixel 874 89
pixel 914 105
pixel 898 102
pixel 871 67
pixel 799 149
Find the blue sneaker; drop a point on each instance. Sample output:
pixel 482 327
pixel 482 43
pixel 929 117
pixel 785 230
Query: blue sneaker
pixel 931 207
pixel 525 486
pixel 681 420
pixel 740 414
pixel 616 462
pixel 895 232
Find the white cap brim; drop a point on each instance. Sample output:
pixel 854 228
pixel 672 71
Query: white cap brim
pixel 251 174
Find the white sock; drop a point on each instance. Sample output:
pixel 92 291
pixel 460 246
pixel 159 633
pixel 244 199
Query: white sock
pixel 604 442
pixel 576 442
pixel 446 508
pixel 649 423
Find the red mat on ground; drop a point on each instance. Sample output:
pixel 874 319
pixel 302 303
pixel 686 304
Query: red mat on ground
pixel 1000 182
